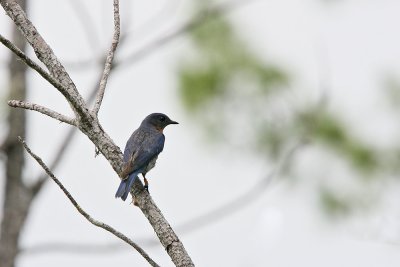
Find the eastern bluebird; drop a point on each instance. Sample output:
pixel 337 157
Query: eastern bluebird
pixel 141 151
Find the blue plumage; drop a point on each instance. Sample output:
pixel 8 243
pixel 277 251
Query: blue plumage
pixel 125 185
pixel 141 151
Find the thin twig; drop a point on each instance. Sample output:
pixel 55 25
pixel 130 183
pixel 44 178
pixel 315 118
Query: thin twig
pixel 89 125
pixel 110 57
pixel 163 40
pixel 46 55
pixel 46 111
pixel 84 213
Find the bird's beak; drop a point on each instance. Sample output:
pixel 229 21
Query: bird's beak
pixel 173 122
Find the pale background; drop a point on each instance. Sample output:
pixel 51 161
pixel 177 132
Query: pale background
pixel 359 41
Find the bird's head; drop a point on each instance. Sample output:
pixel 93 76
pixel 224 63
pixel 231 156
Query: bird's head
pixel 158 120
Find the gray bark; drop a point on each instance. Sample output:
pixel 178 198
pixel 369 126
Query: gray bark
pixel 17 197
pixel 88 123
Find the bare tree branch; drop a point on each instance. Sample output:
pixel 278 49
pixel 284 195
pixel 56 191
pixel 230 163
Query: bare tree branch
pixel 161 41
pixel 62 148
pixel 46 111
pixel 110 57
pixel 45 54
pixel 88 124
pixel 208 218
pixel 84 213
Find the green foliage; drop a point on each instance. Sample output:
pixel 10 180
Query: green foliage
pixel 329 131
pixel 271 140
pixel 392 85
pixel 199 85
pixel 215 36
pixel 363 157
pixel 220 57
pixel 334 204
pixel 226 85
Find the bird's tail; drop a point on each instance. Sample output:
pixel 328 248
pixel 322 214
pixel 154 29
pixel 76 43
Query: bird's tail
pixel 125 186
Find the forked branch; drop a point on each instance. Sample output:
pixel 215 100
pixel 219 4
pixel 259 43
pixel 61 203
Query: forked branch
pixel 88 123
pixel 45 54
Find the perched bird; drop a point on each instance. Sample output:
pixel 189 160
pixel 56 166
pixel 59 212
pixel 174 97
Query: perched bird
pixel 141 151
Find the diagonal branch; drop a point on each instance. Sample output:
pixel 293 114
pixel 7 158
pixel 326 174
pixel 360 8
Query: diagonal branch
pixel 45 54
pixel 89 125
pixel 110 57
pixel 208 218
pixel 84 213
pixel 46 111
pixel 160 41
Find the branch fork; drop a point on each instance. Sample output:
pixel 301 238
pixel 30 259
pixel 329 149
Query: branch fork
pixel 86 120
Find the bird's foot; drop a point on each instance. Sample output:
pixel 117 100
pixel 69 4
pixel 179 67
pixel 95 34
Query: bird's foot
pixel 146 184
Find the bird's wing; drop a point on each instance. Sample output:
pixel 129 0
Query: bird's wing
pixel 132 144
pixel 142 151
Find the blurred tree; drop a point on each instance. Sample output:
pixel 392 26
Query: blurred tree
pixel 225 85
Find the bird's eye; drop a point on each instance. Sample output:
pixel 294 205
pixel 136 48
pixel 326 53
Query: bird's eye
pixel 162 118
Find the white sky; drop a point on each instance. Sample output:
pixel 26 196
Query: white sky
pixel 358 42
